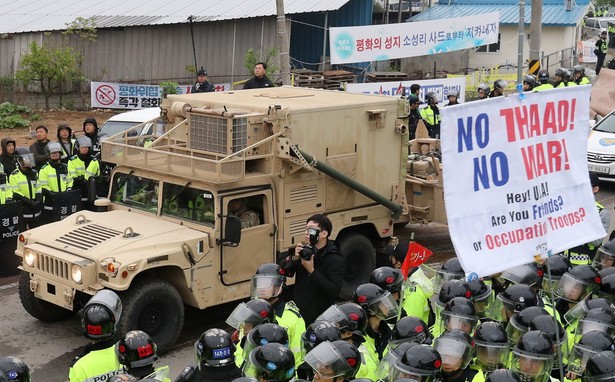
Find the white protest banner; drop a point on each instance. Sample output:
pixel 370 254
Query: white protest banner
pixel 134 96
pixel 387 41
pixel 516 179
pixel 585 51
pixel 440 86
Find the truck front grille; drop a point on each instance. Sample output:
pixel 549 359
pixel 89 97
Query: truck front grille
pixel 88 236
pixel 51 265
pixel 600 158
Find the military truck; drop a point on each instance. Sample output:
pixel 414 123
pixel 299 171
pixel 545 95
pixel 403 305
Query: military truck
pixel 165 236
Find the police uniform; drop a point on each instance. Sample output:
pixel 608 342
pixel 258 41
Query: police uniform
pixel 6 192
pixel 584 254
pixel 26 186
pixel 77 167
pixel 98 364
pixel 288 317
pixel 369 364
pixel 542 87
pixel 432 120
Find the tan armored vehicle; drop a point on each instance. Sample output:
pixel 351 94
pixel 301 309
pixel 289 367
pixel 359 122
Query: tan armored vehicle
pixel 166 237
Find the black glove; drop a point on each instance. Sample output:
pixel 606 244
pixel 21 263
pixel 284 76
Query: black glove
pixel 79 180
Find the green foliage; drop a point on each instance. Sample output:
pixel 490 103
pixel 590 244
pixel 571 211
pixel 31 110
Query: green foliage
pixel 35 117
pixel 82 28
pixel 190 69
pixel 49 70
pixel 269 58
pixel 11 116
pixel 169 87
pixel 13 122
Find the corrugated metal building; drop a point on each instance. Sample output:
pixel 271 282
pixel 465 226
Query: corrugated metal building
pixel 150 40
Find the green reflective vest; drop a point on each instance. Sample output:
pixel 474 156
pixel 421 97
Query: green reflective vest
pixel 97 365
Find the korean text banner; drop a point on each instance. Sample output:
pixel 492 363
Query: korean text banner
pixel 516 181
pixel 388 41
pixel 440 86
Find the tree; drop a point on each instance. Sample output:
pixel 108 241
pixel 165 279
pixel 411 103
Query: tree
pixel 49 70
pixel 251 59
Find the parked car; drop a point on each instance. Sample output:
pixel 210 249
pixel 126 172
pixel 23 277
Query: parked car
pixel 125 121
pixel 601 148
pixel 595 25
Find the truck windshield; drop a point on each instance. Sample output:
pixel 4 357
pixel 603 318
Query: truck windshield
pixel 188 203
pixel 135 191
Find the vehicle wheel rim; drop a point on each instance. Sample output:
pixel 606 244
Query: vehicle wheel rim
pixel 151 318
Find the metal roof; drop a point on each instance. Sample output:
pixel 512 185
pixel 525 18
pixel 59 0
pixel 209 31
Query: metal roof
pixel 552 15
pixel 17 16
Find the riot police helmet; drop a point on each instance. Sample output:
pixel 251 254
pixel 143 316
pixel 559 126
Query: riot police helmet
pixel 456 348
pixel 13 369
pixel 529 274
pixel 431 97
pixel 250 314
pixel 600 367
pixel 271 362
pixel 265 334
pixel 268 282
pixel 453 93
pixel 52 147
pixel 579 69
pixel 136 349
pixel 530 79
pixel 100 315
pixel 500 84
pixel 482 296
pixel 561 73
pixel 533 356
pixel 492 346
pixel 348 316
pixel 514 299
pixel 387 278
pixel 83 141
pixel 410 329
pixel 589 344
pixel 459 313
pixel 317 332
pixel 605 256
pixel 557 265
pixel 451 289
pixel 25 158
pixel 543 76
pixel 502 375
pixel 449 270
pixel 520 322
pixel 578 283
pixel 334 359
pixel 376 301
pixel 419 362
pixel 597 319
pixel 214 348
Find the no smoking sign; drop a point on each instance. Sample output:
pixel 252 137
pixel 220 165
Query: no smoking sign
pixel 105 95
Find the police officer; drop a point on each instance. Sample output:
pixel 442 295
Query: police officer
pixel 451 269
pixel 543 78
pixel 513 300
pixel 533 356
pixel 558 265
pixel 560 78
pixel 529 83
pixel 202 85
pixel 410 329
pixel 265 334
pixel 600 367
pixel 26 188
pixel 381 309
pixel 431 115
pixel 579 75
pixel 605 256
pixel 602 48
pixel 136 352
pixel 590 343
pixel 457 350
pixel 503 375
pixel 99 320
pixel 53 176
pixel 13 369
pixel 317 332
pixel 268 284
pixel 270 362
pixel 459 313
pixel 520 322
pixel 336 361
pixel 6 192
pixel 420 363
pixel 245 317
pixel 215 359
pixel 611 30
pixel 492 346
pixel 575 285
pixel 482 296
pixel 549 325
pixel 482 91
pixel 450 290
pixel 83 166
pixel 453 97
pixel 415 116
pixel 498 88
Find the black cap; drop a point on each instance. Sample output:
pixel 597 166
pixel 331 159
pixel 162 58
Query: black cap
pixel 201 72
pixel 399 251
pixel 593 179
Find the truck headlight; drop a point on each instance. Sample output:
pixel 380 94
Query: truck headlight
pixel 29 257
pixel 75 273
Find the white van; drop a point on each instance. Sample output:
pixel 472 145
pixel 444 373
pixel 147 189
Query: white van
pixel 125 121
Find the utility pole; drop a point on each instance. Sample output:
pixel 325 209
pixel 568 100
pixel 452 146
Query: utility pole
pixel 535 36
pixel 521 38
pixel 283 44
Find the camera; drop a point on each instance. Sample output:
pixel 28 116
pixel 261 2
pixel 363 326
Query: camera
pixel 309 250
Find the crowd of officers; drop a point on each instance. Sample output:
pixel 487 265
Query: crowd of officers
pixel 430 113
pixel 36 175
pixel 539 322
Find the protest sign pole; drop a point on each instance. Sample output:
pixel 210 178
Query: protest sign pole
pixel 401 292
pixel 557 338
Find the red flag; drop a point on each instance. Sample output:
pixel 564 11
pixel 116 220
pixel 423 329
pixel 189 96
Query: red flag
pixel 380 92
pixel 399 89
pixel 416 255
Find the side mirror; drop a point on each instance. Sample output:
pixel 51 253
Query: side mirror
pixel 232 231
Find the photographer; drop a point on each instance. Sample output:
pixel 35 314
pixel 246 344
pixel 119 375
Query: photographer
pixel 319 269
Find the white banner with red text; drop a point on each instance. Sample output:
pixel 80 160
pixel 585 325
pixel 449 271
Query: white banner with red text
pixel 516 181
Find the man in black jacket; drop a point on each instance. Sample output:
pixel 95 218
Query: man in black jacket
pixel 319 269
pixel 38 147
pixel 260 79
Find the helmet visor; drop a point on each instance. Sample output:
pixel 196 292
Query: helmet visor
pixel 326 361
pixel 514 331
pixel 385 307
pixel 26 160
pixel 252 368
pixel 387 365
pixel 603 259
pixel 532 366
pixel 266 286
pixel 523 274
pixel 578 358
pixel 456 354
pixel 451 321
pixel 108 299
pixel 576 312
pixel 333 314
pixel 571 289
pixel 442 277
pixel 483 304
pixel 586 326
pixel 502 309
pixel 241 315
pixel 491 356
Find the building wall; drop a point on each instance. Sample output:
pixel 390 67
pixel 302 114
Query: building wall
pixel 152 54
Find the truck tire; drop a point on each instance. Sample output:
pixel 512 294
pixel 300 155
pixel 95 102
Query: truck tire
pixel 37 308
pixel 360 259
pixel 155 307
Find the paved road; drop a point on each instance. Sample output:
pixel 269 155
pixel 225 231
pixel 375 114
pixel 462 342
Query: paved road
pixel 49 348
